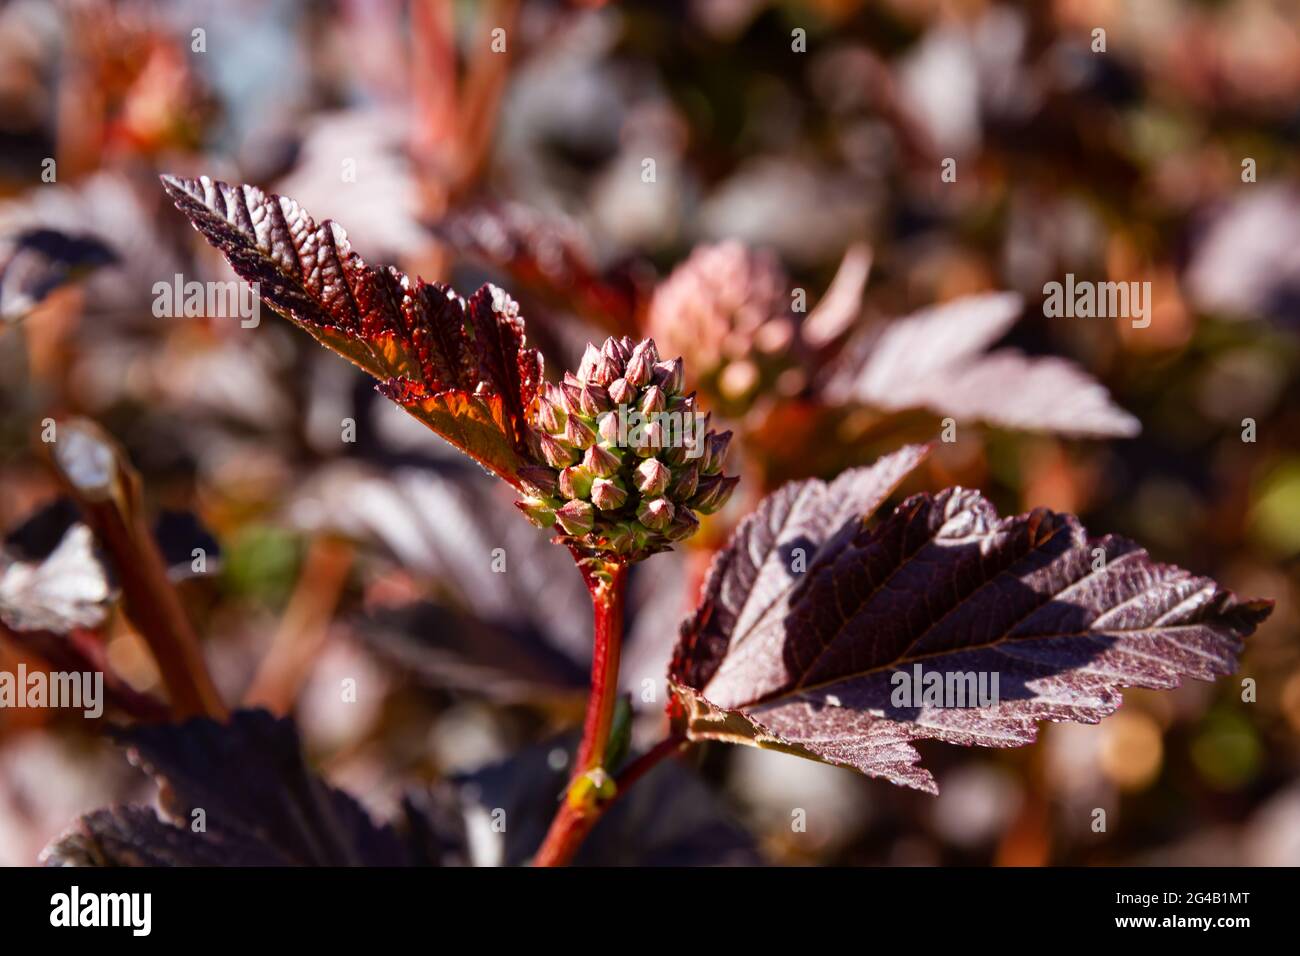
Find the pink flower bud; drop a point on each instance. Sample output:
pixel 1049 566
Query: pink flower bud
pixel 620 392
pixel 600 461
pixel 607 495
pixel 577 433
pixel 590 356
pixel 557 455
pixel 652 477
pixel 655 513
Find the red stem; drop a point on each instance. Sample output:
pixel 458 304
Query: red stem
pixel 572 824
pixel 590 784
pixel 607 614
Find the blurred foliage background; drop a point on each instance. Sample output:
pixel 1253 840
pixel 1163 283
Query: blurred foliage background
pixel 371 559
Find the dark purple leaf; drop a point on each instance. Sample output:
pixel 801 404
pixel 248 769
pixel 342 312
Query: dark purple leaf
pixel 943 584
pixel 136 836
pixel 38 261
pixel 935 359
pixel 249 778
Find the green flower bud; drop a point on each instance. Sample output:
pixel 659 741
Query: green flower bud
pixel 537 510
pixel 575 482
pixel 577 518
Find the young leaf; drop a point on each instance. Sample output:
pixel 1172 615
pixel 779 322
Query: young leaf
pixel 934 359
pixel 460 366
pixel 944 585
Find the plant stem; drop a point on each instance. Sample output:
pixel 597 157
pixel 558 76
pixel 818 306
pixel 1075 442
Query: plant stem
pixel 572 824
pixel 607 614
pixel 605 582
pixel 98 475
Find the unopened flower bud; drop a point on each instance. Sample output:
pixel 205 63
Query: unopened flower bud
pixel 620 392
pixel 537 510
pixel 686 480
pixel 594 399
pixel 550 416
pixel 715 451
pixel 577 433
pixel 652 477
pixel 540 479
pixel 590 356
pixel 618 350
pixel 652 400
pixel 572 392
pixel 606 371
pixel 576 518
pixel 607 494
pixel 676 455
pixel 713 492
pixel 601 461
pixel 652 439
pixel 669 375
pixel 557 455
pixel 627 537
pixel 575 482
pixel 684 524
pixel 655 513
pixel 609 427
pixel 640 367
